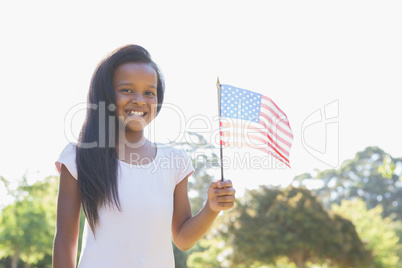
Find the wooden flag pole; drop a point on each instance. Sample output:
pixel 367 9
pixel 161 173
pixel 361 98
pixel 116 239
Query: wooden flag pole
pixel 218 86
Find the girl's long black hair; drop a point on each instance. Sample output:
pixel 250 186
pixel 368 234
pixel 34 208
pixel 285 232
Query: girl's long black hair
pixel 96 159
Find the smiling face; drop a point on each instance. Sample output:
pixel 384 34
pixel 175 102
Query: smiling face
pixel 135 89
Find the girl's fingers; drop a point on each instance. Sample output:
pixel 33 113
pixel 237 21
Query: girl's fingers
pixel 225 199
pixel 225 205
pixel 224 191
pixel 225 184
pixel 214 185
pixel 222 184
pixel 223 194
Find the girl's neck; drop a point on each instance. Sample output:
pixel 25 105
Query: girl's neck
pixel 141 152
pixel 132 142
pixel 132 138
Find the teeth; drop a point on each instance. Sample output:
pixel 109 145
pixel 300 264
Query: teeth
pixel 136 113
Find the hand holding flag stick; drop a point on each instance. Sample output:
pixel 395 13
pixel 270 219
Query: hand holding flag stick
pixel 250 119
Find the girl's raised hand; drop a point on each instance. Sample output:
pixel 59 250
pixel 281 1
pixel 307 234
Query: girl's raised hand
pixel 221 195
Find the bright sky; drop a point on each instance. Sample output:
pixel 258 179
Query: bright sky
pixel 305 55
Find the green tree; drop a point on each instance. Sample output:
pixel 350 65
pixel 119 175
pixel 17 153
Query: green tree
pixel 27 226
pixel 397 227
pixel 271 223
pixel 373 175
pixel 206 258
pixel 378 233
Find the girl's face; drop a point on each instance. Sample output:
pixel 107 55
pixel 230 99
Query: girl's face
pixel 135 89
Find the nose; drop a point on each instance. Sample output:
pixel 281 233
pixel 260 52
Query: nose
pixel 138 99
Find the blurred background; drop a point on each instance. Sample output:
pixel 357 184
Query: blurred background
pixel 333 68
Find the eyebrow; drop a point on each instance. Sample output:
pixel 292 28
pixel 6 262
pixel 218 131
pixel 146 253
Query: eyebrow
pixel 129 84
pixel 124 84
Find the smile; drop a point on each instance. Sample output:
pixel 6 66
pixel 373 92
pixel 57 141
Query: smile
pixel 135 113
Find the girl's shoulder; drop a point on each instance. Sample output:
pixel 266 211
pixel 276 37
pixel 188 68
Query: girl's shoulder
pixel 67 158
pixel 70 148
pixel 177 159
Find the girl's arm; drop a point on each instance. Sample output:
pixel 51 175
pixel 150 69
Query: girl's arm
pixel 188 230
pixel 68 222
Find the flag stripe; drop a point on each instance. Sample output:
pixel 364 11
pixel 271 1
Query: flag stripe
pixel 271 153
pixel 256 146
pixel 282 117
pixel 278 125
pixel 268 104
pixel 262 137
pixel 284 131
pixel 283 147
pixel 284 140
pixel 271 101
pixel 286 162
pixel 268 139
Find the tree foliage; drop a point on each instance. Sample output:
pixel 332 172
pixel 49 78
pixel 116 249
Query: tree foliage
pixel 207 257
pixel 373 175
pixel 27 226
pixel 270 223
pixel 377 232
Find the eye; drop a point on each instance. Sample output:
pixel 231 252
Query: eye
pixel 126 90
pixel 150 93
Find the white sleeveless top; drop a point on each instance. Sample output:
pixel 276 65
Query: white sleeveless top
pixel 140 234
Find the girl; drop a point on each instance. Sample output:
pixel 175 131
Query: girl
pixel 133 192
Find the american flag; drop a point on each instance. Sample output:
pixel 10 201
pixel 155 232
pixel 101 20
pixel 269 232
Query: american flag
pixel 249 119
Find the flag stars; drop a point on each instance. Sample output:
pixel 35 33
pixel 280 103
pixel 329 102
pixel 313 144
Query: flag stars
pixel 240 104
